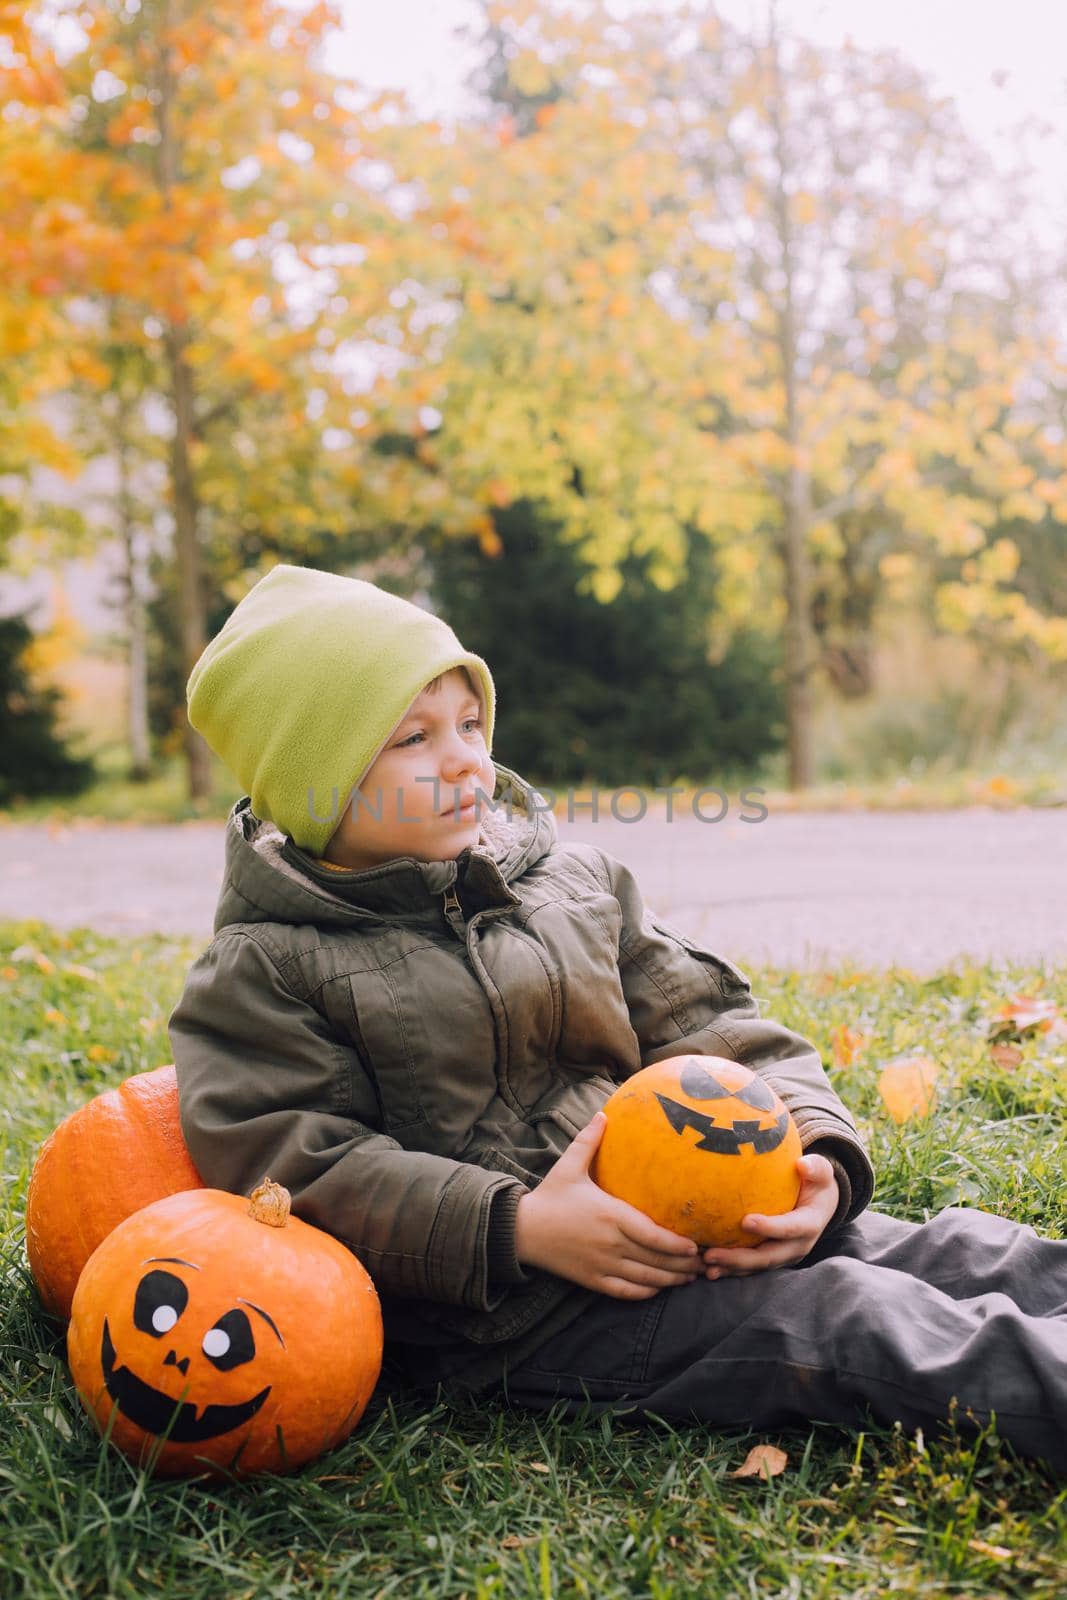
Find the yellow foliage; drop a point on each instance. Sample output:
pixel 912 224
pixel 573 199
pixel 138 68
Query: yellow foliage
pixel 897 566
pixel 825 537
pixel 1000 562
pixel 56 644
pixel 1024 505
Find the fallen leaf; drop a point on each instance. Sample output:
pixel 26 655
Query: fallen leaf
pixel 516 1541
pixel 997 1551
pixel 1007 1056
pixel 908 1087
pixel 538 1466
pixel 762 1461
pixel 1027 1014
pixel 847 1044
pixel 54 1415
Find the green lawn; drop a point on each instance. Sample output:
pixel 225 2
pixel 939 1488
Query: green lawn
pixel 448 1501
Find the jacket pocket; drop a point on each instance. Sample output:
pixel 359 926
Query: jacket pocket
pixel 570 1106
pixel 730 979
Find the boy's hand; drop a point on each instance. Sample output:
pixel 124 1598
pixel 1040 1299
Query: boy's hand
pixel 790 1236
pixel 570 1226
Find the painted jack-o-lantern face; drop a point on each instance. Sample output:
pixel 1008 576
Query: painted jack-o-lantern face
pixel 160 1302
pixel 697 1143
pixel 763 1133
pixel 203 1337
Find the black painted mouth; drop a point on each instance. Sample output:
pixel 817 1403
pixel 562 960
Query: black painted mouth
pixel 724 1141
pixel 153 1411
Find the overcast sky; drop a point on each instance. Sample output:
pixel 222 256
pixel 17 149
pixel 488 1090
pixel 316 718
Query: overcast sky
pixel 1001 60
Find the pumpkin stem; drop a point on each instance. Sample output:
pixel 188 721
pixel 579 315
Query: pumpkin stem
pixel 269 1203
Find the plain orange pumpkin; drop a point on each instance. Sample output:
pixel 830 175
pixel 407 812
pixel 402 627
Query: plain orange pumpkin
pixel 697 1143
pixel 213 1333
pixel 109 1158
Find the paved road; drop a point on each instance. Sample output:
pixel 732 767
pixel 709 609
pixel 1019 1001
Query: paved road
pixel 800 889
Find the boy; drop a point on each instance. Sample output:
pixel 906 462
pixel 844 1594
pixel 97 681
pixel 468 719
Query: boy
pixel 415 1004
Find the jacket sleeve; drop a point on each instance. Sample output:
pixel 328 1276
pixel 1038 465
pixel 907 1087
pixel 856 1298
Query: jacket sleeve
pixel 265 1087
pixel 682 997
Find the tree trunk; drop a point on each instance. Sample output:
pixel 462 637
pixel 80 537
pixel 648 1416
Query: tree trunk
pixel 183 488
pixel 187 553
pixel 799 644
pixel 136 652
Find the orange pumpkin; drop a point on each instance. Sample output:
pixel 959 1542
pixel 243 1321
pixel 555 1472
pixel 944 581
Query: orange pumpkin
pixel 697 1143
pixel 214 1333
pixel 109 1158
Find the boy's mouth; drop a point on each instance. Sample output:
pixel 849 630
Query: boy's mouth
pixel 464 810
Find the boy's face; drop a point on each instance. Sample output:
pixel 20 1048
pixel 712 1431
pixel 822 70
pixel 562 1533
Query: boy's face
pixel 433 761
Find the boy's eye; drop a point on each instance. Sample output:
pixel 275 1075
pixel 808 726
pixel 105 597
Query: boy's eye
pixel 475 721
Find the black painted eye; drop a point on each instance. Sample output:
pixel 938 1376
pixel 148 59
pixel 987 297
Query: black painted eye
pixel 229 1343
pixel 158 1303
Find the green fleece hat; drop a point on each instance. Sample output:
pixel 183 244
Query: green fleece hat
pixel 300 689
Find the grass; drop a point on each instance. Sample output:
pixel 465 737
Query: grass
pixel 464 1500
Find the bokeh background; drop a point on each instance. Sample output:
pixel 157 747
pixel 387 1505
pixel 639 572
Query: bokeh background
pixel 703 364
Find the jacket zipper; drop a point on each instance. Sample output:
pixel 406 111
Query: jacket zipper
pixel 452 910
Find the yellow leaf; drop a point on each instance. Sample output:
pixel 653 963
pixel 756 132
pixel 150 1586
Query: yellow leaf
pixel 762 1461
pixel 847 1045
pixel 908 1087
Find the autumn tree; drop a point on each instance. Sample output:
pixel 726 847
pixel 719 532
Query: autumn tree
pixel 724 280
pixel 214 191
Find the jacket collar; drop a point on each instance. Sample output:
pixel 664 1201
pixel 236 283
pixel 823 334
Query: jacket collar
pixel 269 878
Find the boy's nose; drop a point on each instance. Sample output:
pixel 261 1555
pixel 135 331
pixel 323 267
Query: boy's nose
pixel 459 760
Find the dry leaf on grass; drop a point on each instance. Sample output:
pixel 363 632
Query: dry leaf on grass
pixel 997 1551
pixel 1025 1016
pixel 908 1087
pixel 762 1461
pixel 847 1045
pixel 1007 1056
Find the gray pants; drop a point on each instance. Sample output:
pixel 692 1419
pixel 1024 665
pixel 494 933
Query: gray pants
pixel 898 1317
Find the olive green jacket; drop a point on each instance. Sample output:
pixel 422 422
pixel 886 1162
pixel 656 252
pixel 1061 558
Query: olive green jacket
pixel 409 1048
